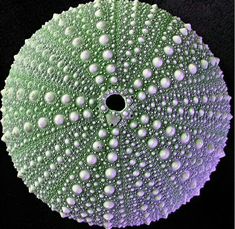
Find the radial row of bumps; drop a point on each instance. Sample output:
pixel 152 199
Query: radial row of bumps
pixel 109 168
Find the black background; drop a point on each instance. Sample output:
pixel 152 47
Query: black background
pixel 213 20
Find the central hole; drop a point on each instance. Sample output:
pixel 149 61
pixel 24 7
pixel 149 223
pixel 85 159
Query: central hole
pixel 115 102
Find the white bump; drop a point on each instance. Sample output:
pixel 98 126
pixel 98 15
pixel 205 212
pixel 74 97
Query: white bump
pixel 141 96
pixel 84 175
pixel 93 68
pixel 74 116
pixel 87 114
pixel 144 119
pixel 77 41
pixel 164 154
pixel 101 25
pixel 192 69
pixel 70 201
pixel 65 99
pixel 157 62
pixel 179 75
pixel 175 165
pixel 157 124
pixel 112 157
pixel 199 143
pixel 152 90
pixel 138 83
pixel 80 101
pixel 97 146
pixel 108 204
pixel 85 55
pixel 110 173
pixel 147 73
pixel 91 159
pixel 184 138
pixel 113 143
pixel 102 133
pixel 42 123
pixel 49 97
pixel 165 82
pixel 142 133
pixel 204 64
pixel 168 50
pixel 111 68
pixel 152 143
pixel 170 131
pixel 104 39
pixel 107 54
pixel 99 79
pixel 77 189
pixel 109 189
pixel 184 31
pixel 177 39
pixel 59 120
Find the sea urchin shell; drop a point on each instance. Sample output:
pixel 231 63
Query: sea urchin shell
pixel 115 113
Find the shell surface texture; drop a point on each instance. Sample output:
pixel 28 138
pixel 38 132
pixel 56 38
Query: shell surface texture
pixel 115 113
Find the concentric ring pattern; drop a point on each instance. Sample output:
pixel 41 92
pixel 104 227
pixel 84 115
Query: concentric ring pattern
pixel 102 166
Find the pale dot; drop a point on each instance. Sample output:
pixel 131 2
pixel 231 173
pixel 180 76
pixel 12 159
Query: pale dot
pixel 141 95
pixel 76 41
pixel 87 114
pixel 168 50
pixel 111 68
pixel 110 173
pixel 112 157
pixel 102 133
pixel 28 127
pixel 70 201
pixel 97 146
pixel 184 31
pixel 93 68
pixel 142 132
pixel 177 39
pixel 179 75
pixel 192 69
pixel 157 62
pixel 109 189
pixel 77 189
pixel 199 143
pixel 204 64
pixel 175 165
pixel 185 175
pixel 74 116
pixel 59 119
pixel 147 73
pixel 184 138
pixel 99 79
pixel 152 90
pixel 152 143
pixel 80 101
pixel 104 39
pixel 138 83
pixel 165 82
pixel 84 175
pixel 108 216
pixel 144 119
pixel 65 99
pixel 164 154
pixel 101 25
pixel 85 55
pixel 49 97
pixel 108 204
pixel 157 124
pixel 170 131
pixel 42 123
pixel 113 143
pixel 107 54
pixel 91 159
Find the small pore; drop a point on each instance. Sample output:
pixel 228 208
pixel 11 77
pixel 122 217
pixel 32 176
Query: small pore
pixel 115 102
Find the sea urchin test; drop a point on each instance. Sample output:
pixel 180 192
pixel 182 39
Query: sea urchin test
pixel 115 113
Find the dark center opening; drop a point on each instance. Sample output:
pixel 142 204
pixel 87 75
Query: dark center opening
pixel 115 102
